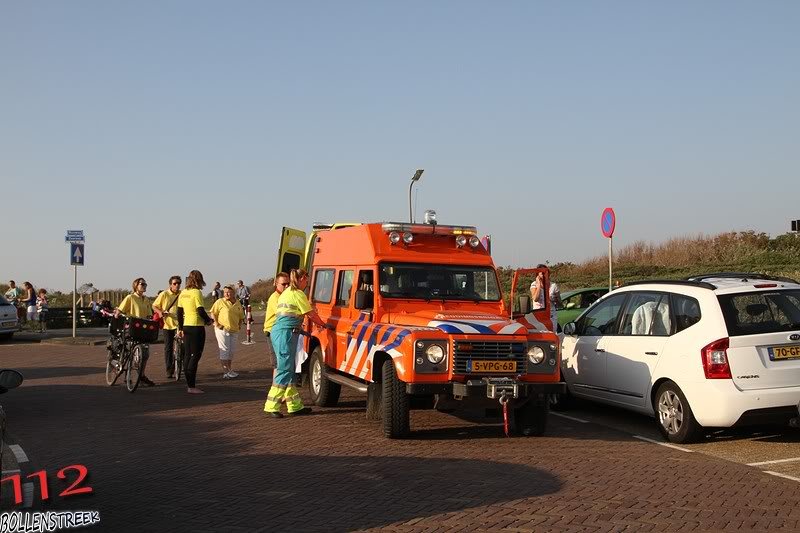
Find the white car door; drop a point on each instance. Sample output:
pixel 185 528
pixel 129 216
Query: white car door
pixel 584 354
pixel 633 354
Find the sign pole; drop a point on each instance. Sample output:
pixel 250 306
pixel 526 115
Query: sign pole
pixel 74 301
pixel 610 256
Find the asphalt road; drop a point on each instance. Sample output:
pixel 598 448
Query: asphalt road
pixel 164 460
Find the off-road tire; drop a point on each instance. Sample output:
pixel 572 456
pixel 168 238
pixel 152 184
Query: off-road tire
pixel 324 392
pixel 396 410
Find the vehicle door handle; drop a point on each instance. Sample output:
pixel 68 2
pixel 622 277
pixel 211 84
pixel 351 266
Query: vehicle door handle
pixel 651 353
pixel 599 349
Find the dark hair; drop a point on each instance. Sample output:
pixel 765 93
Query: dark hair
pixel 195 280
pixel 136 282
pixel 175 278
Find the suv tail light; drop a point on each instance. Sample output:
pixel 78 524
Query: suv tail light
pixel 715 360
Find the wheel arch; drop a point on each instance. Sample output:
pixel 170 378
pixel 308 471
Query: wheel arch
pixel 378 360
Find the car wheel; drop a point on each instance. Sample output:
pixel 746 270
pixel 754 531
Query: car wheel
pixel 396 416
pixel 674 415
pixel 324 392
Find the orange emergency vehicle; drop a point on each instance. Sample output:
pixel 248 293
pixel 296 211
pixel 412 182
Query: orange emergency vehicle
pixel 419 317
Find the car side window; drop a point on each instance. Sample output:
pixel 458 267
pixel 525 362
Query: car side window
pixel 647 313
pixel 686 311
pixel 591 297
pixel 572 302
pixel 345 288
pixel 323 286
pixel 601 319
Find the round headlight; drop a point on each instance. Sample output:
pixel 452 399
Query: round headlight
pixel 461 240
pixel 408 238
pixel 535 355
pixel 435 354
pixel 474 241
pixel 394 237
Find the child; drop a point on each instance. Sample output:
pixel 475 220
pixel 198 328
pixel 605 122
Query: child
pixel 41 309
pixel 228 315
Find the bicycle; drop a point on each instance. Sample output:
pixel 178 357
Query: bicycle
pixel 128 348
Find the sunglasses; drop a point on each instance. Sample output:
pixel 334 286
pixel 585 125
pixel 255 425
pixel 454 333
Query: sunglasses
pixel 176 282
pixel 143 284
pixel 284 284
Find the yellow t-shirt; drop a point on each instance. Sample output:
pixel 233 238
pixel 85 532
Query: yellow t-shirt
pixel 293 302
pixel 190 300
pixel 272 308
pixel 136 306
pixel 228 314
pixel 163 301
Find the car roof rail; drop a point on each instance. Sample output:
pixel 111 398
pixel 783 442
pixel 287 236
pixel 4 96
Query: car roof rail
pixel 741 275
pixel 684 282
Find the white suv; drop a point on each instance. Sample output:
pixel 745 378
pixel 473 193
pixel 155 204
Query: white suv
pixel 717 350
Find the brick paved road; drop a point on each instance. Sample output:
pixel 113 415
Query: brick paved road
pixel 163 460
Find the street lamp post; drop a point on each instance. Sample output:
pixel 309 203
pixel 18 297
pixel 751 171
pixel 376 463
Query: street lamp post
pixel 417 175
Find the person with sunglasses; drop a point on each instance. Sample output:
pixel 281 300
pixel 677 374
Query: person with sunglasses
pixel 281 282
pixel 137 305
pixel 165 306
pixel 192 320
pixel 293 308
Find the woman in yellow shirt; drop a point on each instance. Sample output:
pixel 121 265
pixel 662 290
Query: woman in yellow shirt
pixel 136 304
pixel 293 307
pixel 192 320
pixel 228 314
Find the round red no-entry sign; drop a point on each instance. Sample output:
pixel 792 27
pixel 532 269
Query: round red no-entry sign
pixel 608 221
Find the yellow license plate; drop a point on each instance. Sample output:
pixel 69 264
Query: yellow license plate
pixel 784 352
pixel 491 366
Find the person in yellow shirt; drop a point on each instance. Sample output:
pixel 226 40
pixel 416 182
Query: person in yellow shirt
pixel 192 319
pixel 228 315
pixel 137 305
pixel 165 305
pixel 281 282
pixel 293 307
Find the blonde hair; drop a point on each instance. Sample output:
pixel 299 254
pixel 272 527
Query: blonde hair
pixel 295 276
pixel 195 280
pixel 280 275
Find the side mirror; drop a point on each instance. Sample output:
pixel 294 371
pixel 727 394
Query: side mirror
pixel 569 328
pixel 365 300
pixel 524 304
pixel 9 379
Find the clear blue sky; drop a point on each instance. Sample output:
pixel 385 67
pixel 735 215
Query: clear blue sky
pixel 184 134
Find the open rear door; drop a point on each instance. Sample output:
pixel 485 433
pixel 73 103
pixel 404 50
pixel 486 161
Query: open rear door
pixel 292 251
pixel 537 319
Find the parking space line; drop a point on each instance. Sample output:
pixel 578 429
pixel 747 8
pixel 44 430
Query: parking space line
pixel 778 474
pixel 582 421
pixel 776 461
pixel 668 445
pixel 18 452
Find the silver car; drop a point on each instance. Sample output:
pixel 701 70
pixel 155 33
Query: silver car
pixel 8 319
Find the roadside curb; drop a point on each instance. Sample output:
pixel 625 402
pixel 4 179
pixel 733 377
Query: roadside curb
pixel 82 341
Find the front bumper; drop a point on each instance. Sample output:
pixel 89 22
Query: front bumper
pixel 487 388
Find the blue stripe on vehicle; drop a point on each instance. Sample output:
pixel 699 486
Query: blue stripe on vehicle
pixel 480 327
pixel 358 321
pixel 399 339
pixel 449 328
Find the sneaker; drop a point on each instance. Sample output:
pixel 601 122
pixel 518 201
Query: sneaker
pixel 233 374
pixel 147 381
pixel 226 375
pixel 274 414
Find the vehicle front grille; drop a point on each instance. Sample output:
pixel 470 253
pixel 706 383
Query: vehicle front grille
pixel 463 351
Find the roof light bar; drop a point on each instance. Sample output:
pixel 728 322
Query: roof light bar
pixel 400 227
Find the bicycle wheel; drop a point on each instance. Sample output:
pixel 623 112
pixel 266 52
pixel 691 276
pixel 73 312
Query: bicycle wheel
pixel 114 365
pixel 178 353
pixel 134 370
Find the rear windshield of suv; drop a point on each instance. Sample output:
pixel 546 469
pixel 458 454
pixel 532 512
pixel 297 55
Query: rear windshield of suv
pixel 751 313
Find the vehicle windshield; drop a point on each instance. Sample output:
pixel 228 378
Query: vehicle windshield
pixel 441 282
pixel 761 312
